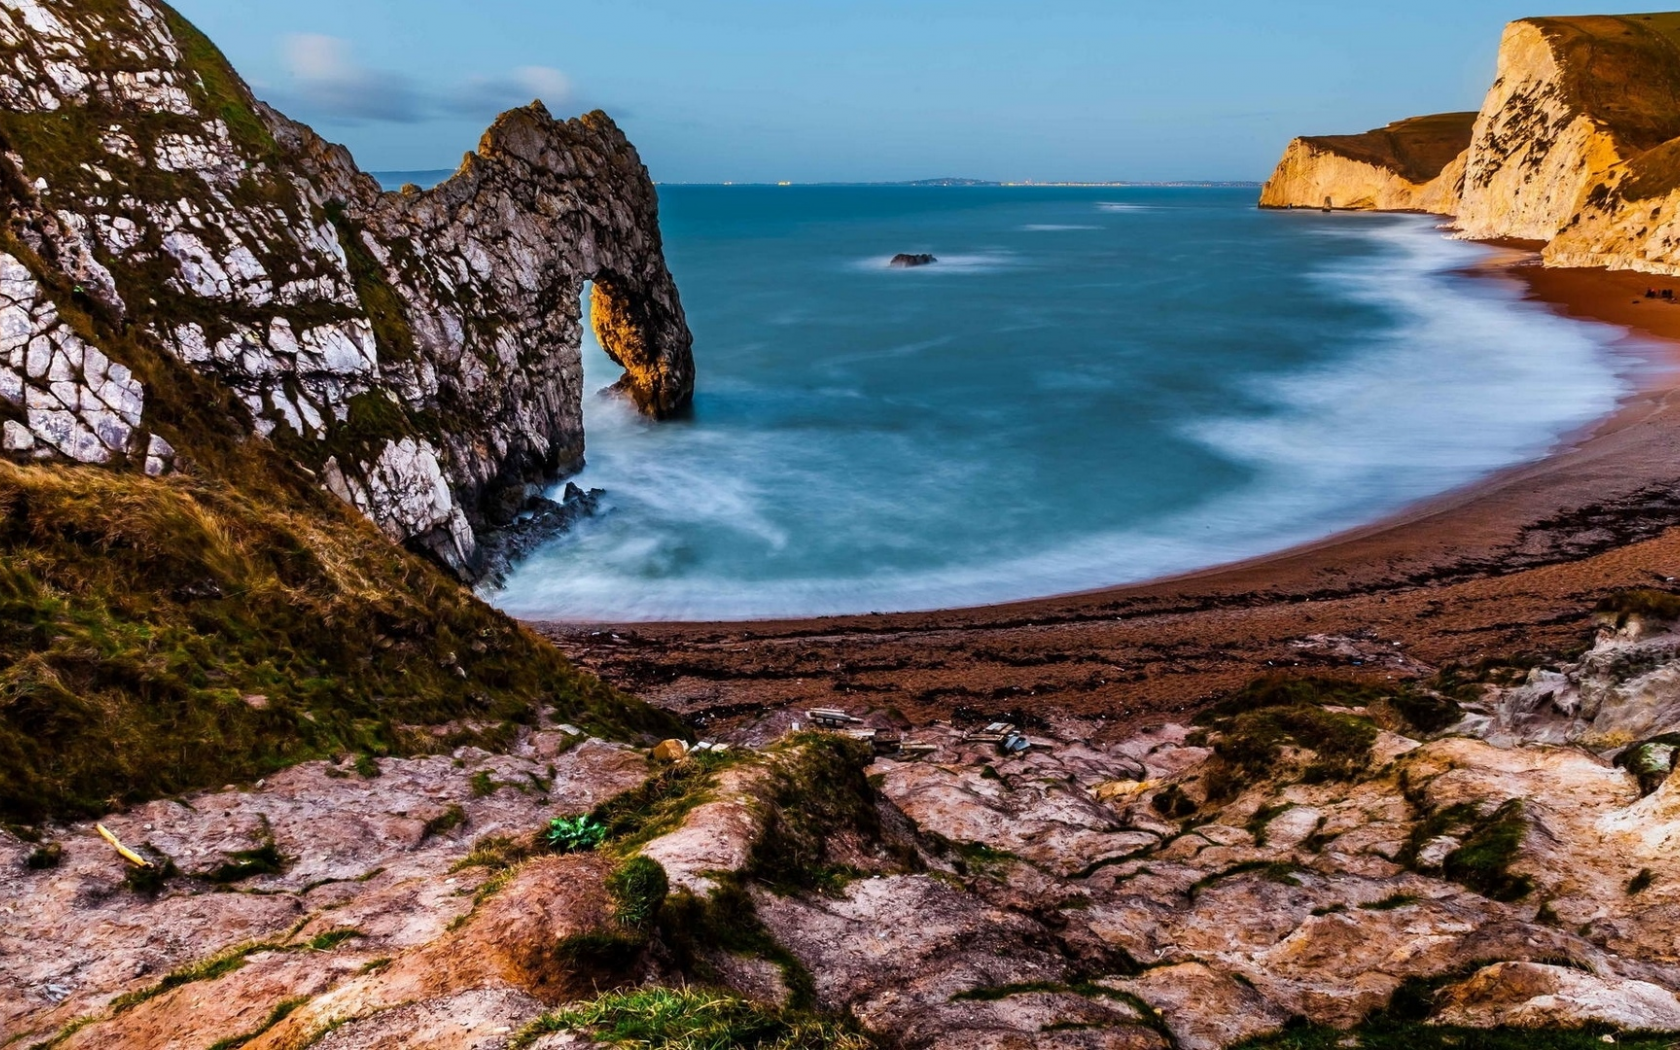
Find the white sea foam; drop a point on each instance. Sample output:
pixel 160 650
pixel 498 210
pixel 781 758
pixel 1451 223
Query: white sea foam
pixel 1469 378
pixel 1052 227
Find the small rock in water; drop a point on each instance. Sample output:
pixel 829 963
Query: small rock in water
pixel 904 261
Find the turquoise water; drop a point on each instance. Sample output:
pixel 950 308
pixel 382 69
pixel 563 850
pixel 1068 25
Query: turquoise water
pixel 1090 387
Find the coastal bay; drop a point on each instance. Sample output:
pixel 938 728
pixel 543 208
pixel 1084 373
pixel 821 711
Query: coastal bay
pixel 1512 562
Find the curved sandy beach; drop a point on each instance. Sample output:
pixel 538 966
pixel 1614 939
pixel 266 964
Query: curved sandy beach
pixel 1512 563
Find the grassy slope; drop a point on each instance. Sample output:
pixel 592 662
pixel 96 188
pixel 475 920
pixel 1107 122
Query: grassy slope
pixel 1624 71
pixel 157 636
pixel 1417 148
pixel 163 635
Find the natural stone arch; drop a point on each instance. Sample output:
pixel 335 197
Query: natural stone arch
pixel 638 328
pixel 484 273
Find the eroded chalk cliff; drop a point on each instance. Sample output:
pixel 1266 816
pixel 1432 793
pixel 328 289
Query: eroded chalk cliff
pixel 1411 165
pixel 1577 145
pixel 419 352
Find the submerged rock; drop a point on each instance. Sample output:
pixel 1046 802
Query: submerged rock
pixel 542 521
pixel 903 261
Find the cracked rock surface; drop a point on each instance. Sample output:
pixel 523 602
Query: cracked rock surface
pixel 1149 891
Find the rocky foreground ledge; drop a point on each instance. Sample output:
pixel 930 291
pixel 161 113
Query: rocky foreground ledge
pixel 1313 862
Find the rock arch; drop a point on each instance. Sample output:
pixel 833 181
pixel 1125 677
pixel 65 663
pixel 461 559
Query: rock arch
pixel 486 270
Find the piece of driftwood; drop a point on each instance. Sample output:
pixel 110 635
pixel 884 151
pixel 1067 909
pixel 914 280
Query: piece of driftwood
pixel 832 718
pixel 122 851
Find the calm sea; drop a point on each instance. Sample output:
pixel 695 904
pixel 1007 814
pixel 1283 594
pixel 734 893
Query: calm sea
pixel 1090 387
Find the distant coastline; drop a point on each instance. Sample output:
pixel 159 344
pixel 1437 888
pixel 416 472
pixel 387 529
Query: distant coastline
pixel 428 177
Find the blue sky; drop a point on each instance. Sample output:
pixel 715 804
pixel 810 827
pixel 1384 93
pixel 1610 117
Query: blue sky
pixel 863 90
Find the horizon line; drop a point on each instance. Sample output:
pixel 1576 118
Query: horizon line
pixel 934 183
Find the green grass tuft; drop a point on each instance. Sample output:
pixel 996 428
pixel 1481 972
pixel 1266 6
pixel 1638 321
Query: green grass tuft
pixel 280 1012
pixel 608 956
pixel 1255 724
pixel 210 969
pixel 45 856
pixel 150 880
pixel 818 790
pixel 1483 863
pixel 452 817
pixel 1427 712
pixel 694 1019
pixel 496 852
pixel 326 942
pixel 1272 871
pixel 638 887
pixel 694 927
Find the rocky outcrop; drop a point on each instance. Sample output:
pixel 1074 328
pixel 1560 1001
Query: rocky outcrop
pixel 419 351
pixel 343 868
pixel 1576 145
pixel 1144 893
pixel 62 397
pixel 904 261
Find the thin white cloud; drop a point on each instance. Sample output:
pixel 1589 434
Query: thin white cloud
pixel 326 83
pixel 487 96
pixel 326 78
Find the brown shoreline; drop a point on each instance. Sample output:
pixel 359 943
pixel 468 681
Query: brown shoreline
pixel 1512 563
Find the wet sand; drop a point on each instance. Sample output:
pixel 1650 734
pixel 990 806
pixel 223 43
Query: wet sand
pixel 1511 564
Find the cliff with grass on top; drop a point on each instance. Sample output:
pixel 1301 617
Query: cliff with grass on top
pixel 1577 145
pixel 256 416
pixel 1402 167
pixel 418 352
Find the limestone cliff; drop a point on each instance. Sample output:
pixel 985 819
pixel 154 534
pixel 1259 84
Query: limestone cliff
pixel 1411 165
pixel 418 351
pixel 1577 144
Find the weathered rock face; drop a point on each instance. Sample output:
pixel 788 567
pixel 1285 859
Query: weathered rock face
pixel 65 398
pixel 1412 165
pixel 1577 144
pixel 419 351
pixel 1147 891
pixel 381 857
pixel 1043 900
